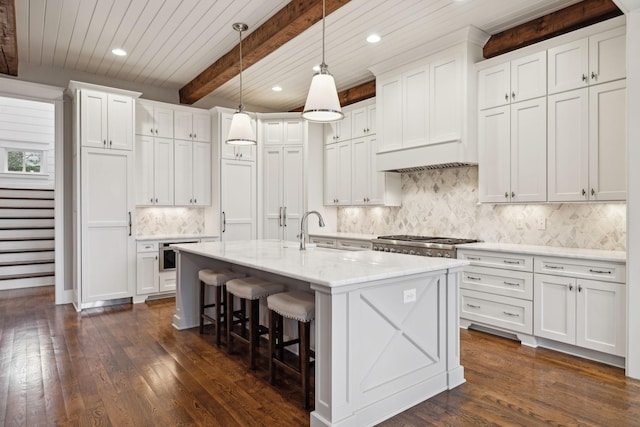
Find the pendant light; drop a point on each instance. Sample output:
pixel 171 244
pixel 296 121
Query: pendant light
pixel 241 132
pixel 322 101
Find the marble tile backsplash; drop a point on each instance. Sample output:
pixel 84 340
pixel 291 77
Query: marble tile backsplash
pixel 169 220
pixel 445 202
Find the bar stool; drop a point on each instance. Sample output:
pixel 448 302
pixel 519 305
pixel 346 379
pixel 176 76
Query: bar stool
pixel 248 289
pixel 216 278
pixel 300 306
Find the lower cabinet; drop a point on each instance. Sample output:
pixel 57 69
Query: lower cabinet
pixel 147 269
pixel 339 243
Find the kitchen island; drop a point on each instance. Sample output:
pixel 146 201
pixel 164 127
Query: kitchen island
pixel 386 328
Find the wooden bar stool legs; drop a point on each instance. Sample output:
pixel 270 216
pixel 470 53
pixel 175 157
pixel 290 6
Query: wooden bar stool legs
pixel 216 279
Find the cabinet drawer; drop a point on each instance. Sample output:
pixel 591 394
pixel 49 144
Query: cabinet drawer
pixel 498 259
pixel 354 245
pixel 495 310
pixel 587 269
pixel 517 284
pixel 147 247
pixel 323 242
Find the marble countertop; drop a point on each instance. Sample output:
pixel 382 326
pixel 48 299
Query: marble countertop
pixel 595 254
pixel 174 237
pixel 325 267
pixel 339 235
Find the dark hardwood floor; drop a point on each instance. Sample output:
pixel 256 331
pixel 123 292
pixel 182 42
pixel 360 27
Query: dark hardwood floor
pixel 126 365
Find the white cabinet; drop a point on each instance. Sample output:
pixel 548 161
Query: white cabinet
pixel 512 141
pixel 192 184
pixel 517 80
pixel 587 143
pixel 238 200
pixel 337 174
pixel 363 120
pixel 192 125
pixel 147 268
pixel 338 131
pixel 154 119
pixel 106 120
pixel 389 97
pixel 415 108
pixel 283 132
pixel 283 191
pixel 230 151
pixel 597 59
pixel 571 309
pixel 368 186
pixel 154 171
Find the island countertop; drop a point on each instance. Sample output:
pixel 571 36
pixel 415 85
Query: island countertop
pixel 327 267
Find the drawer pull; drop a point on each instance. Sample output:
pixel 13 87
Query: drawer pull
pixel 599 271
pixel 554 267
pixel 506 261
pixel 473 258
pixel 511 314
pixel 473 306
pixel 511 284
pixel 474 278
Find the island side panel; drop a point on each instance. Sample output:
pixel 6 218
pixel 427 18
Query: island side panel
pixel 455 372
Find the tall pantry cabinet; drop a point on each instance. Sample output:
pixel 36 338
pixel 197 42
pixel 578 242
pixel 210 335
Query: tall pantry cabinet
pixel 103 194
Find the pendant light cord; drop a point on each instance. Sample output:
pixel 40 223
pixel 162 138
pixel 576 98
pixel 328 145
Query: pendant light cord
pixel 241 106
pixel 323 12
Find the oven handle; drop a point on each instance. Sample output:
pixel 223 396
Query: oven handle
pixel 129 223
pixel 224 222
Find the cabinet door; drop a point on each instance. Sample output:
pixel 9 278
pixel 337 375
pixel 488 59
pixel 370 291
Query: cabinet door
pixel 608 141
pixel 445 100
pixel 494 86
pixel 359 122
pixel 145 195
pixel 144 118
pixel 343 181
pixel 415 123
pixel 147 273
pixel 330 174
pixel 529 77
pixel 529 151
pixel 248 152
pixel 330 131
pixel 607 56
pixel 93 118
pixel 238 200
pixel 292 190
pixel 371 119
pixel 163 120
pixel 272 131
pixel 272 186
pixel 389 100
pixel 183 178
pixel 494 152
pixel 163 170
pixel 384 187
pixel 201 173
pixel 601 316
pixel 554 302
pixel 201 126
pixel 567 145
pixel 344 127
pixel 120 122
pixel 360 174
pixel 568 66
pixel 183 124
pixel 293 131
pixel 108 248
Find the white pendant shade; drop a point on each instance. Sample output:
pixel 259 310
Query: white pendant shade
pixel 241 132
pixel 322 101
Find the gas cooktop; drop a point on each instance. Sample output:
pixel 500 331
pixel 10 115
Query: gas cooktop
pixel 419 245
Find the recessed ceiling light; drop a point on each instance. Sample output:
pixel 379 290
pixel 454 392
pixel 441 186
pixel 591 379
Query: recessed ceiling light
pixel 373 38
pixel 277 89
pixel 119 52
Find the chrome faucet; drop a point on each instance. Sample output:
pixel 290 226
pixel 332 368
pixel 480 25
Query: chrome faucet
pixel 302 236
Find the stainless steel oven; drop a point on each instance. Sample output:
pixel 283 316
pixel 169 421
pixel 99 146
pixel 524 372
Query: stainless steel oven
pixel 168 256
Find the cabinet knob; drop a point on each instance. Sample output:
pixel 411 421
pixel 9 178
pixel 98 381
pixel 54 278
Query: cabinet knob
pixel 190 200
pixel 190 136
pixel 593 192
pixel 584 77
pixel 513 195
pixel 195 201
pixel 151 131
pixel 570 288
pixel 156 131
pixel 584 193
pixel 579 288
pixel 110 143
pixel 151 200
pixel 506 195
pixel 240 155
pixel 594 75
pixel 104 142
pixel 506 96
pixel 195 136
pixel 156 200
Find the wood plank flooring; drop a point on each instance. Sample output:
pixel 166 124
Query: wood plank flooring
pixel 126 365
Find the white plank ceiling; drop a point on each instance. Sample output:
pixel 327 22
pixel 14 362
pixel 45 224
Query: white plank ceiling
pixel 169 42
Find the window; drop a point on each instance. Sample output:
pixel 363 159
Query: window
pixel 24 161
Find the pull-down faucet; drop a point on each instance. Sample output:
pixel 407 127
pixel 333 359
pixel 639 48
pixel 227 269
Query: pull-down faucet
pixel 302 236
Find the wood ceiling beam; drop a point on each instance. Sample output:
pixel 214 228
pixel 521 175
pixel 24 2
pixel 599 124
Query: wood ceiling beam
pixel 579 15
pixel 286 24
pixel 352 95
pixel 8 40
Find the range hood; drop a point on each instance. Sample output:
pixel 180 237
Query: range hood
pixel 450 154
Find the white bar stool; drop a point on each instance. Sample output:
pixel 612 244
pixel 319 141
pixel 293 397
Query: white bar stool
pixel 299 306
pixel 218 279
pixel 248 289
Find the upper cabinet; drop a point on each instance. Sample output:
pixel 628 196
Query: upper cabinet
pixel 283 131
pixel 106 120
pixel 154 119
pixel 192 125
pixel 513 81
pixel 338 131
pixel 363 120
pixel 597 59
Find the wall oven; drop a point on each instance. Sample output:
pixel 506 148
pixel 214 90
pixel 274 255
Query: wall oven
pixel 168 256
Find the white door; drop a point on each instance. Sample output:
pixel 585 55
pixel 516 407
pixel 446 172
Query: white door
pixel 494 86
pixel 163 119
pixel 292 191
pixel 494 152
pixel 360 173
pixel 554 302
pixel 415 123
pixel 567 145
pixel 389 118
pixel 238 200
pixel 183 179
pixel 529 151
pixel 108 244
pixel 529 77
pixel 145 193
pixel 201 174
pixel 147 273
pixel 330 174
pixel 145 120
pixel 272 185
pixel 608 141
pixel 93 118
pixel 607 56
pixel 343 180
pixel 568 66
pixel 201 126
pixel 183 124
pixel 120 122
pixel 163 170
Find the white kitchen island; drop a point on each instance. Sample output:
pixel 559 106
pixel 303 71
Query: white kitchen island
pixel 386 328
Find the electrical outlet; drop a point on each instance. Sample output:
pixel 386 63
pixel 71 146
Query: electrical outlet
pixel 520 223
pixel 409 295
pixel 541 223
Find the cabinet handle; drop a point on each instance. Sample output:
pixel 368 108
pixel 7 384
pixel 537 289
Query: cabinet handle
pixel 156 200
pixel 473 258
pixel 599 271
pixel 191 201
pixel 511 284
pixel 506 96
pixel 104 142
pixel 594 75
pixel 513 195
pixel 506 261
pixel 474 278
pixel 129 223
pixel 280 216
pixel 110 143
pixel 584 193
pixel 554 267
pixel 511 314
pixel 151 200
pixel 506 195
pixel 364 130
pixel 579 288
pixel 224 222
pixel 240 155
pixel 570 288
pixel 190 135
pixel 156 257
pixel 284 216
pixel 195 136
pixel 151 131
pixel 584 77
pixel 156 131
pixel 473 306
pixel 593 192
pixel 513 95
pixel 195 201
